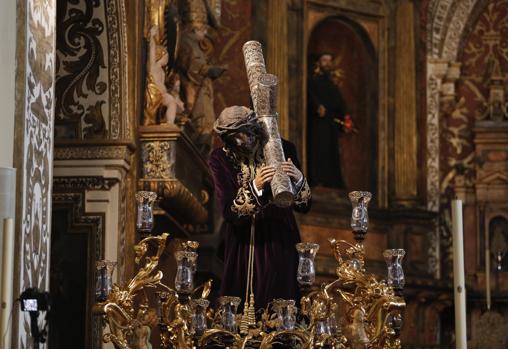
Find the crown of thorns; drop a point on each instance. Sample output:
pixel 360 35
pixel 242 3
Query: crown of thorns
pixel 235 118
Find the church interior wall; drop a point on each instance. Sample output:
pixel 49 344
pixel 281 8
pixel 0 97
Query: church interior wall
pixel 436 134
pixel 7 71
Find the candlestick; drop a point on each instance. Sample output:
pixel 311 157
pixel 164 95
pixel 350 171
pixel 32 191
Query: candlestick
pixel 458 276
pixel 7 277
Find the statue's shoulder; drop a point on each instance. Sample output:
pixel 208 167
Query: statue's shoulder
pixel 217 153
pixel 289 148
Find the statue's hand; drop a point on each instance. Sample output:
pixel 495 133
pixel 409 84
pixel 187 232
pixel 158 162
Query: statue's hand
pixel 154 30
pixel 263 176
pixel 321 111
pixel 216 71
pixel 292 171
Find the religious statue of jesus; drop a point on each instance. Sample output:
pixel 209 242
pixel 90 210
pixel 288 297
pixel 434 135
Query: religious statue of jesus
pixel 242 185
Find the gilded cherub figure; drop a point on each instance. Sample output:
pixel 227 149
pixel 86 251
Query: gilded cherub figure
pixel 156 93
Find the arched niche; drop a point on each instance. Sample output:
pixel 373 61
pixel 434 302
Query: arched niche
pixel 356 61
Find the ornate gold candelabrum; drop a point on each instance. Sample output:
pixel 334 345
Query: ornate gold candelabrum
pixel 354 311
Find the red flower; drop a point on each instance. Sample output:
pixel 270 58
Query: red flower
pixel 348 122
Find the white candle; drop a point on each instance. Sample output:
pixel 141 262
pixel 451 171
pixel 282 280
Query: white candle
pixel 7 284
pixel 458 276
pixel 487 269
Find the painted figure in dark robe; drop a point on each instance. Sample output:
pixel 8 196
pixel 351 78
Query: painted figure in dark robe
pixel 326 113
pixel 242 185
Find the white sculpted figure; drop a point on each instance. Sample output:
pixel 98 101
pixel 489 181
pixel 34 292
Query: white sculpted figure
pixel 157 94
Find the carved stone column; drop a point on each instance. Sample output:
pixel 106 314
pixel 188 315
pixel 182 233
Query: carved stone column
pixel 277 58
pixel 406 154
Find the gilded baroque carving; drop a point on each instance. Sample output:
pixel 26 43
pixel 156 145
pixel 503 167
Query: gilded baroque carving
pixel 178 195
pixel 88 182
pixel 183 197
pixel 36 168
pixel 120 152
pixel 157 162
pixel 117 64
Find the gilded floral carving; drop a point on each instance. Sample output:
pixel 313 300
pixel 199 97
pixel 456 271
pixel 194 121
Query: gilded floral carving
pixel 92 153
pixel 157 162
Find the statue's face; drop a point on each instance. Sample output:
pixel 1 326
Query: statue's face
pixel 200 30
pixel 176 85
pixel 325 62
pixel 164 59
pixel 243 142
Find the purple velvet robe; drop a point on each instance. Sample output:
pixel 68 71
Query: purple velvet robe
pixel 276 258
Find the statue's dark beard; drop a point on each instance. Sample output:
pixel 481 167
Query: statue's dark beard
pixel 246 150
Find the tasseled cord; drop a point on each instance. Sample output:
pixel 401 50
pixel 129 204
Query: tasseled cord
pixel 249 311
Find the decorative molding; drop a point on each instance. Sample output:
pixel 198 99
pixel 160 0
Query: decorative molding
pixel 447 21
pixel 456 28
pixel 114 69
pixel 436 70
pixel 88 183
pixel 99 152
pixel 438 13
pixel 35 167
pixel 120 127
pixel 122 231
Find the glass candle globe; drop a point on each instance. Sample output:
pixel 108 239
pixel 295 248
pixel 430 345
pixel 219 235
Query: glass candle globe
pixel 144 218
pixel 104 281
pixel 286 314
pixel 198 322
pixel 393 260
pixel 306 271
pixel 228 308
pixel 360 217
pixel 185 268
